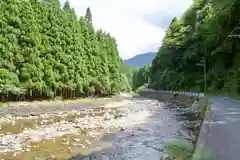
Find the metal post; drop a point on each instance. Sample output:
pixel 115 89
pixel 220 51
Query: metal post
pixel 203 64
pixel 205 80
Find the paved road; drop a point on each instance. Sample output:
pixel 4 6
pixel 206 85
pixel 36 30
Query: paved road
pixel 224 136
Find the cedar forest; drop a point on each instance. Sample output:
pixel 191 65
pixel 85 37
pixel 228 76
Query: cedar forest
pixel 208 30
pixel 46 51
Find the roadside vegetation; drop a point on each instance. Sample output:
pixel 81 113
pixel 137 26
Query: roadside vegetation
pixel 207 32
pixel 46 51
pixel 184 150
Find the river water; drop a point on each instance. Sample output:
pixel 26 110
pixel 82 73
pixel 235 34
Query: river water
pixel 135 128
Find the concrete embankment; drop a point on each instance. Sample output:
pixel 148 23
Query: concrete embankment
pixel 189 99
pixel 164 96
pixel 201 149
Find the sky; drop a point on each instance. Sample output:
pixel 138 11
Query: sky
pixel 137 25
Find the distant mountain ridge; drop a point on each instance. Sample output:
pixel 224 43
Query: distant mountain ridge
pixel 141 59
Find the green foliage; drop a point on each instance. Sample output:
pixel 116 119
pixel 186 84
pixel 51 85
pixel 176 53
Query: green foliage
pixel 46 51
pixel 141 77
pixel 88 16
pixel 200 33
pixel 180 150
pixel 66 5
pixel 141 88
pixel 184 150
pixel 128 73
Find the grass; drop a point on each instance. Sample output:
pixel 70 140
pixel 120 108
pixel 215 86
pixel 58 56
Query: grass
pixel 184 150
pixel 180 150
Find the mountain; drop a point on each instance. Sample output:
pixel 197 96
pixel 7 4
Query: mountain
pixel 141 59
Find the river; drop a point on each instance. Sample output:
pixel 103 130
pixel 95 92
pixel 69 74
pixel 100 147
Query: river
pixel 132 128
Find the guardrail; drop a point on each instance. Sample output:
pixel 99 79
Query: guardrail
pixel 196 94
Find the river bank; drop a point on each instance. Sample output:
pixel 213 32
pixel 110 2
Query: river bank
pixel 24 126
pixel 125 125
pixel 40 107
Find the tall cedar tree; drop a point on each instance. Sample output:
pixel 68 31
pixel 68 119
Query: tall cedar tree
pixel 46 51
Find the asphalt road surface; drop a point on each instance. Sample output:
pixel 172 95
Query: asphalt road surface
pixel 224 135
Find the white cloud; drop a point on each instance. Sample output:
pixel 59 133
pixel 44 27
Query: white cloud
pixel 126 21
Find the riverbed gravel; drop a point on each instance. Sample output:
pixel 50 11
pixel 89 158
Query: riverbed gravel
pixel 126 125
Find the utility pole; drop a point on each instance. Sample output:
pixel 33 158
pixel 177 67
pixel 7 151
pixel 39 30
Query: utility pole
pixel 205 76
pixel 203 64
pixel 205 80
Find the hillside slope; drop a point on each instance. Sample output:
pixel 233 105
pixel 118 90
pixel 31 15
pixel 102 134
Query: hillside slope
pixel 201 34
pixel 141 59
